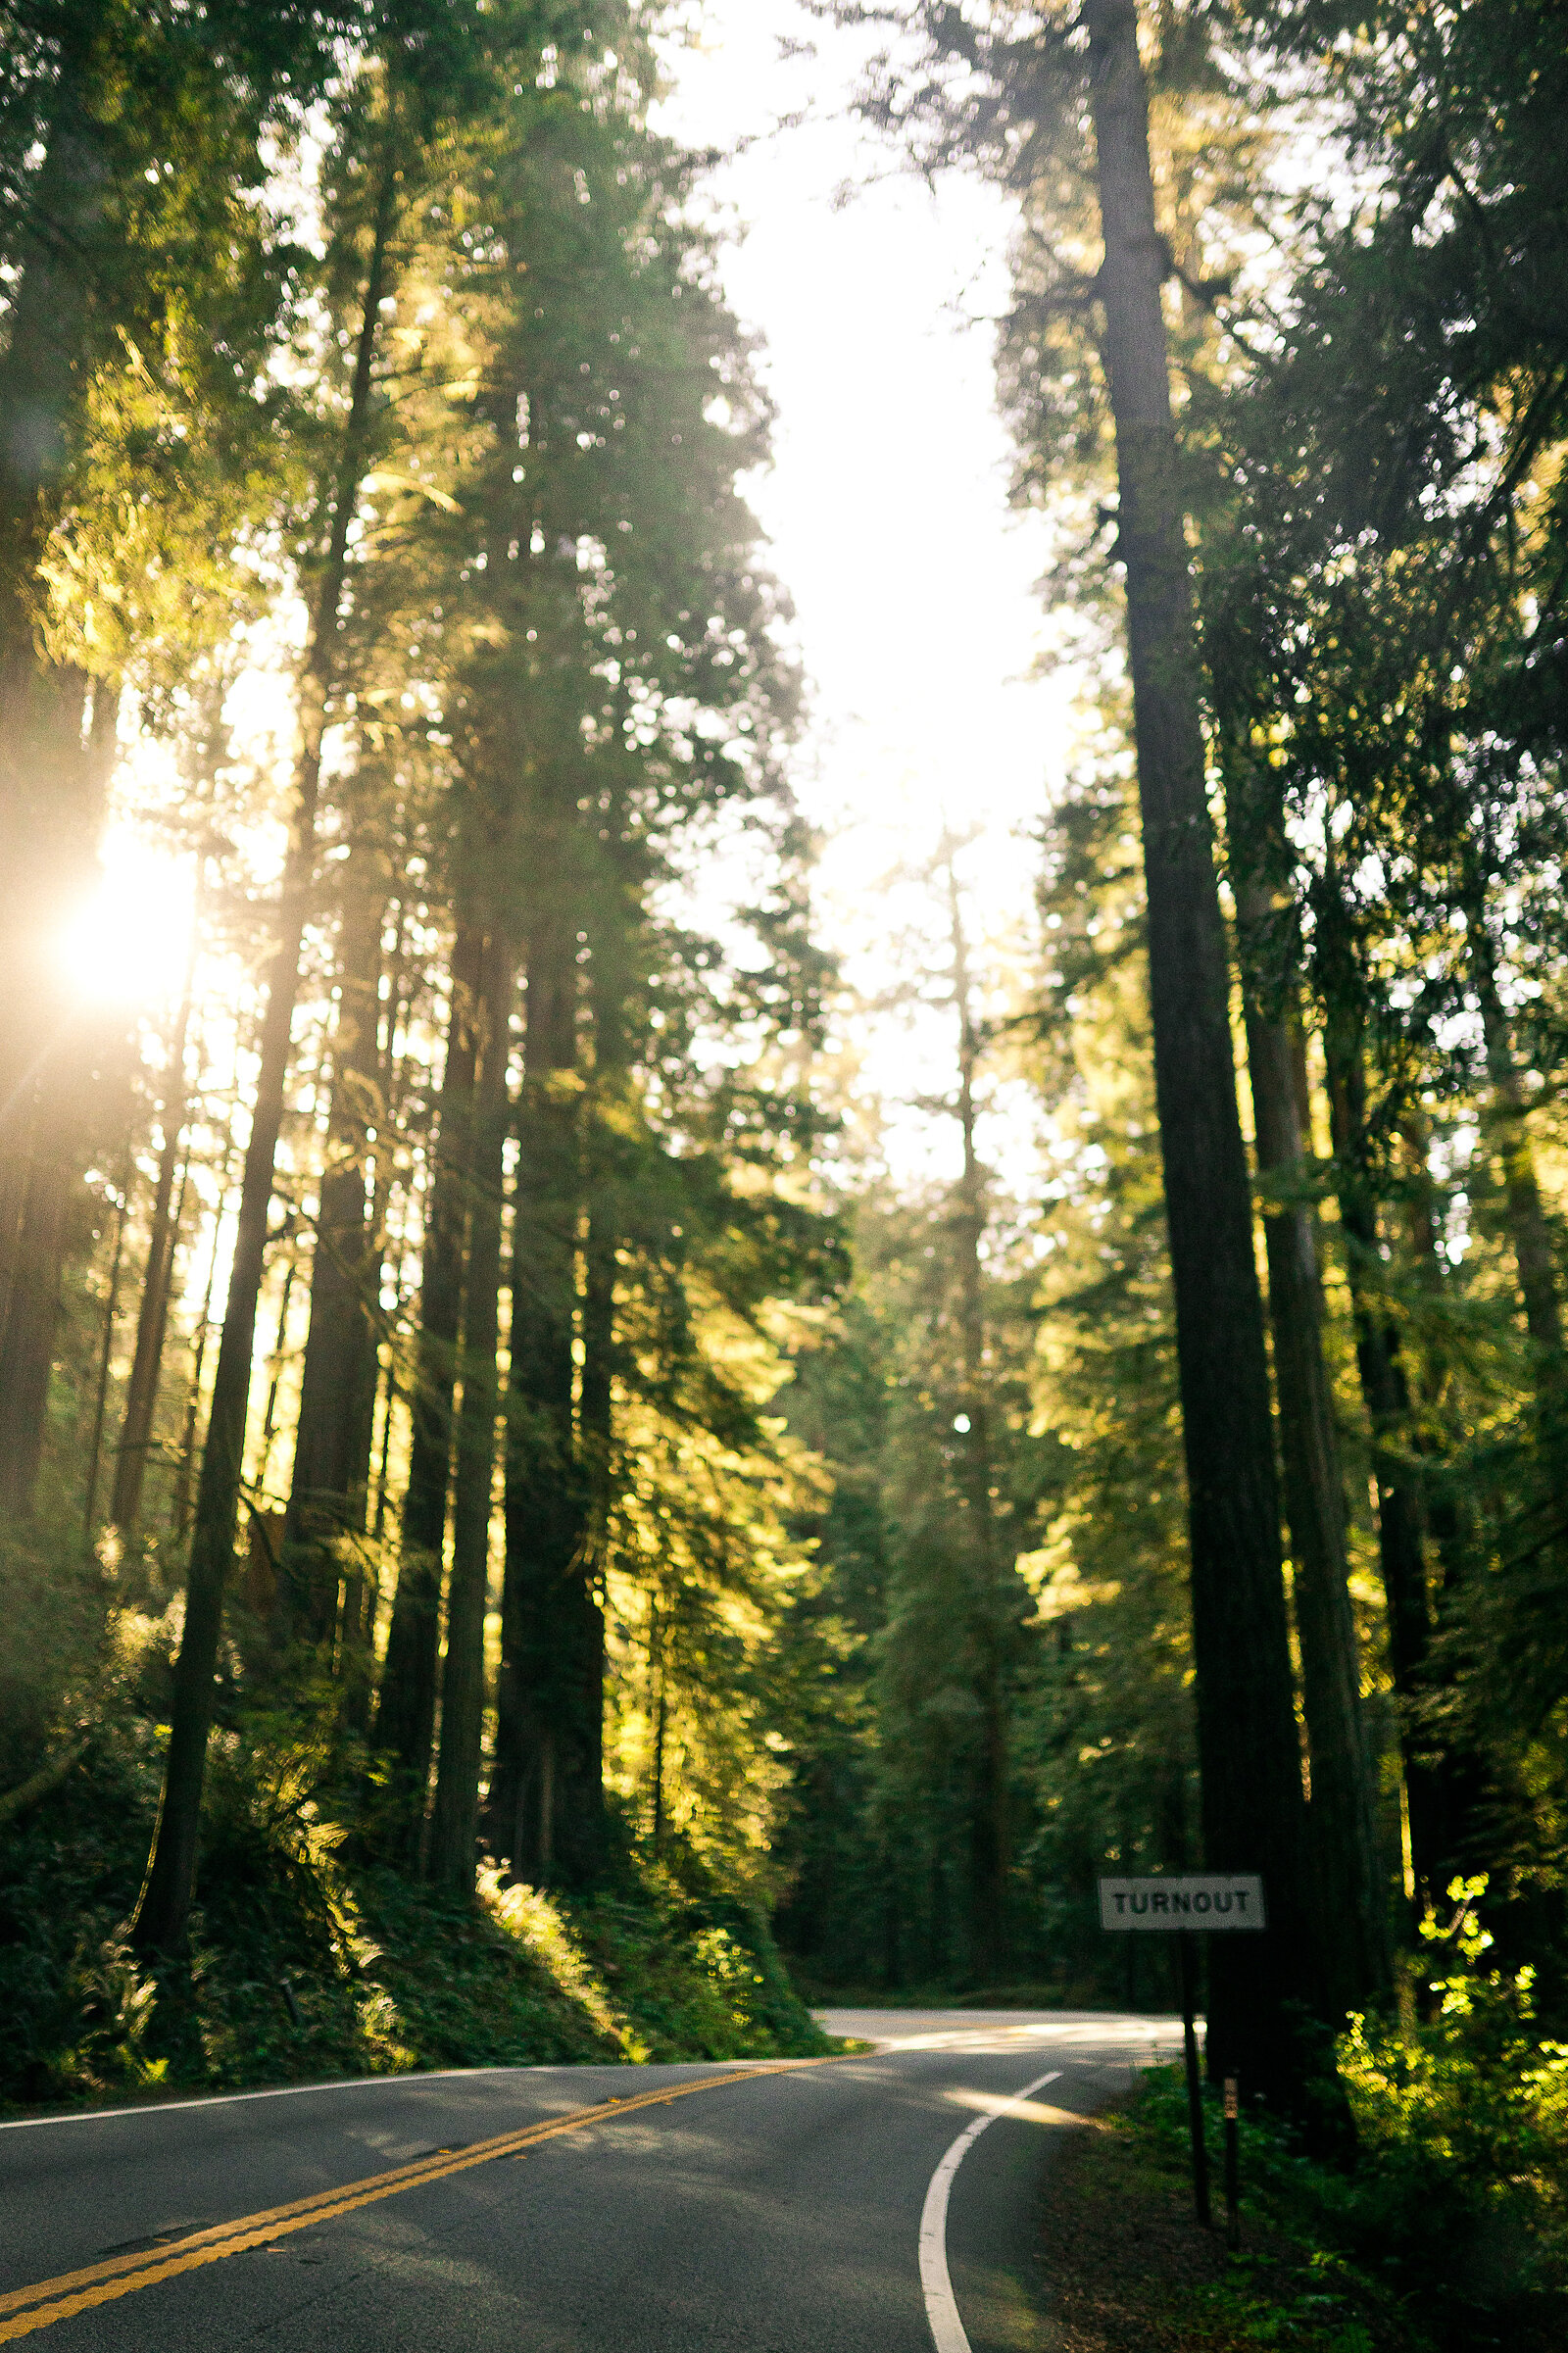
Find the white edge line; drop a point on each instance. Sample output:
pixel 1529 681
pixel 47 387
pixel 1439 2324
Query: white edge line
pixel 281 2091
pixel 433 2075
pixel 948 2331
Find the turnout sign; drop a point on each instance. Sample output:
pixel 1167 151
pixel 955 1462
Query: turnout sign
pixel 1208 1899
pixel 1179 1905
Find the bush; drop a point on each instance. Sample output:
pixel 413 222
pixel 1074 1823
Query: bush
pixel 1449 2233
pixel 1463 2127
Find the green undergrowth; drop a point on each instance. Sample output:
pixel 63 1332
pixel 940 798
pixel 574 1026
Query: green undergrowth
pixel 1448 2233
pixel 307 1963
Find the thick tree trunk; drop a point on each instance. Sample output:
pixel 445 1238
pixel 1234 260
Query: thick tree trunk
pixel 1530 1235
pixel 546 1801
pixel 1444 1519
pixel 164 1910
pixel 331 1471
pixel 1254 1808
pixel 1386 1392
pixel 52 779
pixel 45 1068
pixel 1528 1229
pixel 1351 1881
pixel 455 1819
pixel 607 1188
pixel 29 1335
pixel 404 1722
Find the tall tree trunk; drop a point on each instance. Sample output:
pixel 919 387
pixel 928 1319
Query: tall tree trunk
pixel 152 1321
pixel 614 946
pixel 52 777
pixel 1386 1392
pixel 405 1721
pixel 163 1912
pixel 1253 1805
pixel 989 1829
pixel 545 1800
pixel 289 1238
pixel 455 1820
pixel 1528 1229
pixel 106 1357
pixel 44 1065
pixel 29 1335
pixel 1444 1516
pixel 185 1479
pixel 1343 1819
pixel 1529 1232
pixel 330 1482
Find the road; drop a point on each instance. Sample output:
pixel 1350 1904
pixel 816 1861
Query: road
pixel 752 2207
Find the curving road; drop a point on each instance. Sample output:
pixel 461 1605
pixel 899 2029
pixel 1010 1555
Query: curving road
pixel 889 2202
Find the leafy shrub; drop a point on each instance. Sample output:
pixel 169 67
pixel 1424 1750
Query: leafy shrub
pixel 1463 2126
pixel 1450 2230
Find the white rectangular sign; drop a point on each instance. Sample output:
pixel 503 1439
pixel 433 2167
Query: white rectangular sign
pixel 1206 1899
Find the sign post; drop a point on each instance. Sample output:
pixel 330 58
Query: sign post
pixel 1233 2195
pixel 1212 1901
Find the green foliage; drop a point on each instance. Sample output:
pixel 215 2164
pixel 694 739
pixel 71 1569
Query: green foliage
pixel 893 1634
pixel 1464 2126
pixel 54 1604
pixel 1450 2230
pixel 307 1962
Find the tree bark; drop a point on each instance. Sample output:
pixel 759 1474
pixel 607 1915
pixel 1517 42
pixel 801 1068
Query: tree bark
pixel 1386 1392
pixel 29 1335
pixel 405 1721
pixel 330 1482
pixel 1343 1819
pixel 546 1804
pixel 1253 1809
pixel 106 1357
pixel 46 1072
pixel 164 1910
pixel 180 1501
pixel 455 1820
pixel 1528 1229
pixel 1529 1232
pixel 52 777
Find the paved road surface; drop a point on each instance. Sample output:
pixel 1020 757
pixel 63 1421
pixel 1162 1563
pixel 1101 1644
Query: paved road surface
pixel 776 2210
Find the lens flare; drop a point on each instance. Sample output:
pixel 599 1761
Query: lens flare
pixel 128 941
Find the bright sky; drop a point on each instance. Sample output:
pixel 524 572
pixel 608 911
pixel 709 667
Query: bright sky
pixel 917 613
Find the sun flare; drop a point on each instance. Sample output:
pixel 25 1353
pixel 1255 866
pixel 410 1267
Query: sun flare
pixel 129 940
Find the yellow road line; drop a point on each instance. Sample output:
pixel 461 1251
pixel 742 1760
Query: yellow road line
pixel 60 2299
pixel 401 2176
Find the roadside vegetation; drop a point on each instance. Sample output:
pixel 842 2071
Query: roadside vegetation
pixel 1449 2233
pixel 306 1959
pixel 1449 2230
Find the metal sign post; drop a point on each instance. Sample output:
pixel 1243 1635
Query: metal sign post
pixel 1212 1901
pixel 1233 2166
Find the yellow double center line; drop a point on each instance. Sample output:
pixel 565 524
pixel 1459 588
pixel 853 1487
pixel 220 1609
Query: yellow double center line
pixel 50 2300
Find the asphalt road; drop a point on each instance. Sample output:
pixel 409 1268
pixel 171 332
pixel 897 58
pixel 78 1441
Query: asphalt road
pixel 769 2212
